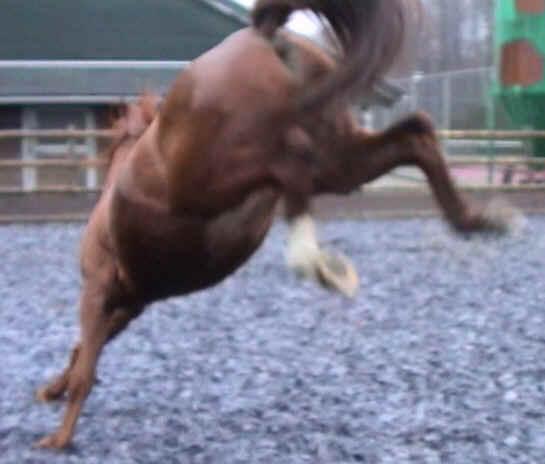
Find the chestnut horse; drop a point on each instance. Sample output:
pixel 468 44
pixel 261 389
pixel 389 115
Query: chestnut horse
pixel 261 117
pixel 303 253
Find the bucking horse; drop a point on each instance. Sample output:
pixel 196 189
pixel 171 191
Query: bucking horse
pixel 264 116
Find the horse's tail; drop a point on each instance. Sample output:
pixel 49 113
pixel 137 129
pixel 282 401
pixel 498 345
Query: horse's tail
pixel 135 119
pixel 370 33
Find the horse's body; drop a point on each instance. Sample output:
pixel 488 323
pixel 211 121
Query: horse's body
pixel 252 121
pixel 202 239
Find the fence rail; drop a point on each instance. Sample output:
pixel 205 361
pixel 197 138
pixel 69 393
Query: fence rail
pixel 69 199
pixel 416 188
pixel 56 133
pixel 48 189
pixel 53 163
pixel 108 133
pixel 490 134
pixel 452 160
pixel 94 162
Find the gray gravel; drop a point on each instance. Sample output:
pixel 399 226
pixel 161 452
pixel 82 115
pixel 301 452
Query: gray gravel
pixel 440 359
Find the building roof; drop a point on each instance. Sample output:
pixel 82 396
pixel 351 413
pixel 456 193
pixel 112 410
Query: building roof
pixel 114 29
pixel 104 50
pixel 100 51
pixel 100 82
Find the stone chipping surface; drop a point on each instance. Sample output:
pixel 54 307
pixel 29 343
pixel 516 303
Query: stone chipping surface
pixel 439 359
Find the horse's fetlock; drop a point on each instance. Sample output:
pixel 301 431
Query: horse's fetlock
pixel 79 385
pixel 75 389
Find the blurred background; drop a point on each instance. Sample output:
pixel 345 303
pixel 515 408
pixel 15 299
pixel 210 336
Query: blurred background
pixel 67 68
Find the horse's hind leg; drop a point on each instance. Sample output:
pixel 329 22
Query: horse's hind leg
pixel 99 324
pixel 413 142
pixel 461 214
pixel 308 259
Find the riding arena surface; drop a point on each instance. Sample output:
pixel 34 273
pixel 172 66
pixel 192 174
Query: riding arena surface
pixel 439 358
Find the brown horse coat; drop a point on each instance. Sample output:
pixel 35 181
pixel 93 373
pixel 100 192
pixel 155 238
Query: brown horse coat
pixel 260 117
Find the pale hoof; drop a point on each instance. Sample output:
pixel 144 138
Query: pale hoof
pixel 304 256
pixel 335 271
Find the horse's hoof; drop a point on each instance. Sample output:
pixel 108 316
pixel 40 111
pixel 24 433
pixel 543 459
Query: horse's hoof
pixel 42 396
pixel 335 271
pixel 54 442
pixel 501 217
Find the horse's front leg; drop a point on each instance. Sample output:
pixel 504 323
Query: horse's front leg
pixel 413 142
pixel 307 258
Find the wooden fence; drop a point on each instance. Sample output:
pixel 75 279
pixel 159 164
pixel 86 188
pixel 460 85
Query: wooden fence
pixel 93 164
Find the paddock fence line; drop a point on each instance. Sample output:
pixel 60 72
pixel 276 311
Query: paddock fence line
pixel 510 172
pixel 29 167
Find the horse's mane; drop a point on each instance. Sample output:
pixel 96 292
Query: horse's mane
pixel 134 120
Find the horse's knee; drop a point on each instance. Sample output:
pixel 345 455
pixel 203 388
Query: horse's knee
pixel 417 123
pixel 417 142
pixel 420 123
pixel 425 152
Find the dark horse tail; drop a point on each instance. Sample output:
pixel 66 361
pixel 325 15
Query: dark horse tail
pixel 370 32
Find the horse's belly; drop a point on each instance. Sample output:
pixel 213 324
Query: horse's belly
pixel 161 255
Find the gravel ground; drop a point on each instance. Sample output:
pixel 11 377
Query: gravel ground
pixel 440 358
